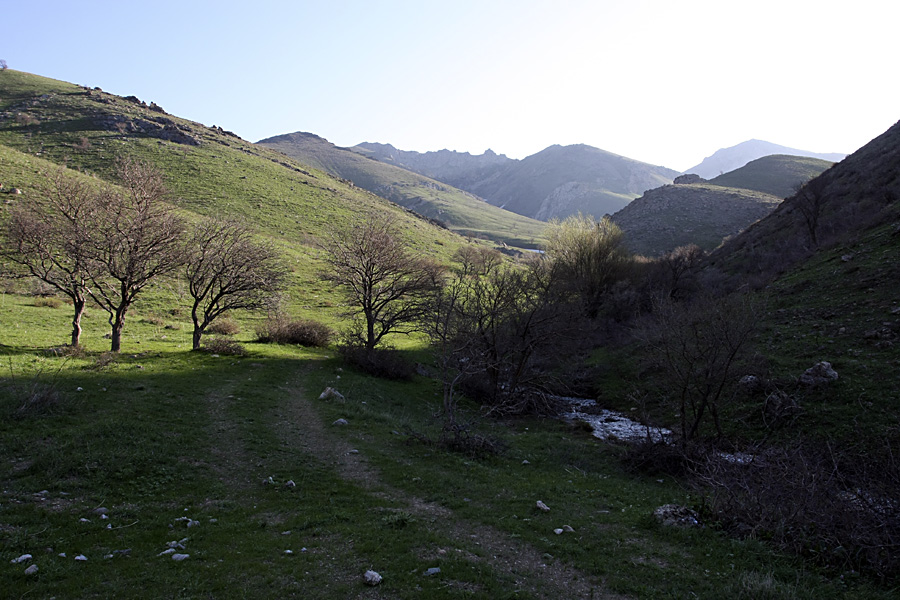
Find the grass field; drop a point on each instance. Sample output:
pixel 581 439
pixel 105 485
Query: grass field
pixel 162 437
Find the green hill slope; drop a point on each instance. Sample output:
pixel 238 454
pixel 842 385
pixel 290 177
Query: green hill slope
pixel 778 174
pixel 461 211
pixel 209 171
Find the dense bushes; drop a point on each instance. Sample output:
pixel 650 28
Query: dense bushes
pixel 279 329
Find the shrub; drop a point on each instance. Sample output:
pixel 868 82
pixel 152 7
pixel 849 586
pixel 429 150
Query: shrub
pixel 281 330
pixel 223 346
pixel 49 302
pixel 380 362
pixel 223 326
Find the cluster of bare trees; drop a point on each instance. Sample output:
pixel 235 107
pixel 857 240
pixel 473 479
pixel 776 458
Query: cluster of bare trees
pixel 109 243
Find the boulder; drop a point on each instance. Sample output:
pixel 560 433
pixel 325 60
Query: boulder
pixel 687 179
pixel 818 374
pixel 674 515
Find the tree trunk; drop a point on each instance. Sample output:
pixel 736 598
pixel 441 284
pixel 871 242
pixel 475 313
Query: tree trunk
pixel 118 323
pixel 76 322
pixel 198 335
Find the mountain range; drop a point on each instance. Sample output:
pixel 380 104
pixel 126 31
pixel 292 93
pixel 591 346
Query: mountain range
pixel 552 184
pixel 731 158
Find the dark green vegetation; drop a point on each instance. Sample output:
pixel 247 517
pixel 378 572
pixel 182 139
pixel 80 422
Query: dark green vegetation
pixel 459 210
pixel 206 446
pixel 777 175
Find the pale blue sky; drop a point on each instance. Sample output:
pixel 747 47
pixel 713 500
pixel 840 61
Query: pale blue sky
pixel 662 81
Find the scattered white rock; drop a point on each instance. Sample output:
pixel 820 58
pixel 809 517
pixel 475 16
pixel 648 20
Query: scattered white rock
pixel 21 559
pixel 213 520
pixel 104 516
pixel 819 373
pixel 31 570
pixel 286 532
pixel 100 511
pixel 166 552
pixel 331 394
pixel 432 571
pixel 180 557
pixel 62 554
pixel 288 552
pixel 83 520
pixel 354 451
pixel 525 462
pixel 542 506
pixel 79 389
pixel 558 531
pixel 290 483
pixel 341 422
pixel 81 558
pixel 303 549
pixel 192 523
pixel 568 529
pixel 372 578
pixel 674 515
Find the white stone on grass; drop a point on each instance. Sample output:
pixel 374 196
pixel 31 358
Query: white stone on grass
pixel 372 578
pixel 21 559
pixel 542 506
pixel 31 570
pixel 180 557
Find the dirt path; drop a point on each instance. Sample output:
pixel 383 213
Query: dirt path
pixel 532 573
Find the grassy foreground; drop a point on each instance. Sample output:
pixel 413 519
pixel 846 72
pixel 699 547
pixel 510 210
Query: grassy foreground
pixel 178 445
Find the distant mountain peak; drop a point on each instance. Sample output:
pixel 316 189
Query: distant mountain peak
pixel 734 157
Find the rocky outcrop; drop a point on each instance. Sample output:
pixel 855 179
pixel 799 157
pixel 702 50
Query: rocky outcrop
pixel 157 127
pixel 688 179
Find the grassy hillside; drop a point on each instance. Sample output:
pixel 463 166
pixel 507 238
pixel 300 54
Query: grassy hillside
pixel 461 211
pixel 44 123
pixel 778 175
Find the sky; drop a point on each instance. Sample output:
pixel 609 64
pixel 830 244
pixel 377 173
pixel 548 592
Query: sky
pixel 662 81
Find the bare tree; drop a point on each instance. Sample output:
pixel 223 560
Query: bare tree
pixel 810 200
pixel 3 65
pixel 385 284
pixel 137 238
pixel 498 330
pixel 226 270
pixel 699 347
pixel 49 237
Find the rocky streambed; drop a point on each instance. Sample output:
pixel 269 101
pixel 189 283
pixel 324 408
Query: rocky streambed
pixel 612 425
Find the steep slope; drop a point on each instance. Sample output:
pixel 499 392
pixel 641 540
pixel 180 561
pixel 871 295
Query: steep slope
pixel 777 174
pixel 728 159
pixel 849 200
pixel 460 211
pixel 459 169
pixel 676 215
